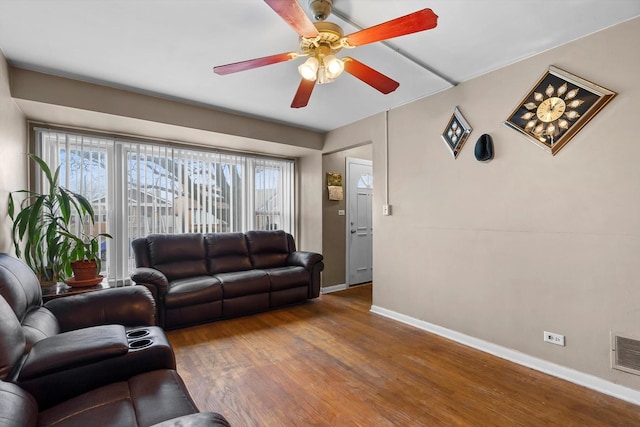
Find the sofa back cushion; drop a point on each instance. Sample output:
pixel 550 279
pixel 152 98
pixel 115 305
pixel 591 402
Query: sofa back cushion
pixel 177 255
pixel 22 291
pixel 268 249
pixel 19 286
pixel 227 252
pixel 12 341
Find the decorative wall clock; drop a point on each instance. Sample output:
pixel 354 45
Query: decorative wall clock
pixel 556 108
pixel 456 132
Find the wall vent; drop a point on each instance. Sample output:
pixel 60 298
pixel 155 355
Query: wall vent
pixel 625 354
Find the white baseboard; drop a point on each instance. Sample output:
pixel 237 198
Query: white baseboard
pixel 334 288
pixel 576 377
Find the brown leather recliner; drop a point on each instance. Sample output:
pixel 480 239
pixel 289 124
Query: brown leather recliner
pixel 82 336
pixel 73 362
pixel 158 398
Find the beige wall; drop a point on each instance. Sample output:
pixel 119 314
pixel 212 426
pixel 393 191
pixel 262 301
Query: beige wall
pixel 310 215
pixel 13 162
pixel 334 225
pixel 32 86
pixel 528 242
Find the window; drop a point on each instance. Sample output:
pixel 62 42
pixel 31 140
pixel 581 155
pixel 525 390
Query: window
pixel 141 188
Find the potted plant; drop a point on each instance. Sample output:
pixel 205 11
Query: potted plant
pixel 81 254
pixel 38 220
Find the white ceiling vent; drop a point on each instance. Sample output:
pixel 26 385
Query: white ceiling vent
pixel 625 354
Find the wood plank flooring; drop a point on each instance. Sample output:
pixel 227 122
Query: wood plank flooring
pixel 330 362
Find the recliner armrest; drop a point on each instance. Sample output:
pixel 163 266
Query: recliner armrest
pixel 149 276
pixel 304 259
pixel 128 306
pixel 72 349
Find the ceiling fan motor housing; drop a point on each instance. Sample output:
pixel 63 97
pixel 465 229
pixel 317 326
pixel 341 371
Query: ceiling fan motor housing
pixel 321 9
pixel 329 35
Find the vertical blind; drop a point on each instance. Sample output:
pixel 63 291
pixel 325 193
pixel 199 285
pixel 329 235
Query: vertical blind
pixel 141 188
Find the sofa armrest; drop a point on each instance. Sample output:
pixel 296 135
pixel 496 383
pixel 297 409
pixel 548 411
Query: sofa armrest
pixel 150 277
pixel 304 259
pixel 128 306
pixel 202 419
pixel 72 349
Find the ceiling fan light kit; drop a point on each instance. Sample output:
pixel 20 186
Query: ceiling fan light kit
pixel 333 66
pixel 309 69
pixel 320 41
pixel 322 66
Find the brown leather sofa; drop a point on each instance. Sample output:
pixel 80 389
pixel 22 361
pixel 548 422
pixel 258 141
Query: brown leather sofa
pixel 198 278
pixel 90 359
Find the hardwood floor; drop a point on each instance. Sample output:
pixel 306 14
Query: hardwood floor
pixel 331 362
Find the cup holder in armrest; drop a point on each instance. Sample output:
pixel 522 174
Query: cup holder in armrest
pixel 137 333
pixel 138 344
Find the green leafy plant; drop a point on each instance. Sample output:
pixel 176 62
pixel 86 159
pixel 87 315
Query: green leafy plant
pixel 85 247
pixel 40 221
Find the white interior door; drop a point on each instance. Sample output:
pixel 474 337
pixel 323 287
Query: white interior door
pixel 359 225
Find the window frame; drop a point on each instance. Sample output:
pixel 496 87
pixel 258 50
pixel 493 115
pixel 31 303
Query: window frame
pixel 119 266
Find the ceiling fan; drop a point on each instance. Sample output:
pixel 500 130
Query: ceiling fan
pixel 320 41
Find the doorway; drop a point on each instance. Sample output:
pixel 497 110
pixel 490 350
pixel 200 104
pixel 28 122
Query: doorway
pixel 359 233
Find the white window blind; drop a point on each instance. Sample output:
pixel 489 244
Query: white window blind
pixel 141 188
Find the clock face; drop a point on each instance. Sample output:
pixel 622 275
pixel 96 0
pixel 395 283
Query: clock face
pixel 551 109
pixel 556 108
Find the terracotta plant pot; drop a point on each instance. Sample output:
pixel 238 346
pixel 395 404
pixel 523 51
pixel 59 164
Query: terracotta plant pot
pixel 84 270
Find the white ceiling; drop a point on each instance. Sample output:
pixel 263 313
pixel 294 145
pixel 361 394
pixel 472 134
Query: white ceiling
pixel 169 47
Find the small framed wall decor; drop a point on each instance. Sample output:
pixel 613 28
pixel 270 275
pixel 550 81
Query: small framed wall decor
pixel 456 132
pixel 334 186
pixel 556 108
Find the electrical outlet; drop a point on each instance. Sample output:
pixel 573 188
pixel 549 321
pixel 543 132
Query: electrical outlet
pixel 386 210
pixel 556 339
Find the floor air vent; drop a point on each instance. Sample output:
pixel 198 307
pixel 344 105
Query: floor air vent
pixel 626 354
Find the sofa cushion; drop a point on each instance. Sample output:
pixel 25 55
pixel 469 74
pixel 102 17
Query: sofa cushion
pixel 193 290
pixel 243 283
pixel 17 407
pixel 287 277
pixel 144 400
pixel 268 249
pixel 177 255
pixel 227 252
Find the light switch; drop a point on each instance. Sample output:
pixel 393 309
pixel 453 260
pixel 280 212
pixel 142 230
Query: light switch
pixel 341 212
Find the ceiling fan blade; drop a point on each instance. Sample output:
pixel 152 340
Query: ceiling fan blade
pixel 303 94
pixel 414 22
pixel 373 78
pixel 292 13
pixel 254 63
